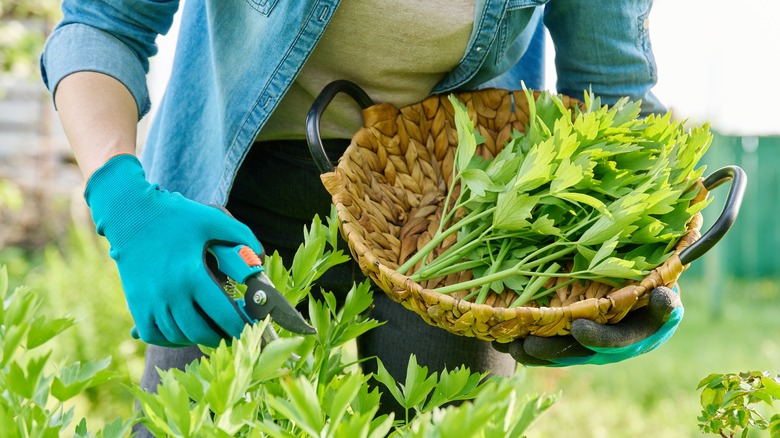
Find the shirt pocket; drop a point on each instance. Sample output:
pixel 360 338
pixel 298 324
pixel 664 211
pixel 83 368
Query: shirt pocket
pixel 262 6
pixel 520 16
pixel 517 4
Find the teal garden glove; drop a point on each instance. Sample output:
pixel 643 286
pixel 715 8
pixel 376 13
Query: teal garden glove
pixel 159 241
pixel 591 343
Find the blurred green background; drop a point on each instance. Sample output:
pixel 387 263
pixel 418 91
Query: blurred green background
pixel 731 296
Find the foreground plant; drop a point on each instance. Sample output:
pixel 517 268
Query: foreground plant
pixel 294 386
pixel 312 386
pixel 729 403
pixel 33 389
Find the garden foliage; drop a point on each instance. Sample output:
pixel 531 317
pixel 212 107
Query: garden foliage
pixel 294 386
pixel 730 403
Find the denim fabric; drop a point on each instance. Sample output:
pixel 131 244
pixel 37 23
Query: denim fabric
pixel 603 48
pixel 236 59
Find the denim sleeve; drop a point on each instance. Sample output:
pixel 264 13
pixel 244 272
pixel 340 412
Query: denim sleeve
pixel 113 37
pixel 604 46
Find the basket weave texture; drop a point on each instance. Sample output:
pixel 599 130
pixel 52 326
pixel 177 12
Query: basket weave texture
pixel 389 189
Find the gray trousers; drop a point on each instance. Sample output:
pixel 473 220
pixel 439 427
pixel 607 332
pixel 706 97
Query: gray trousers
pixel 276 193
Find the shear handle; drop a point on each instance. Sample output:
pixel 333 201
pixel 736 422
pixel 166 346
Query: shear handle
pixel 237 262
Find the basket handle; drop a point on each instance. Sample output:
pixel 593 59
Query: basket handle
pixel 727 216
pixel 315 114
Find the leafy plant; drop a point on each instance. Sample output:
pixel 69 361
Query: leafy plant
pixel 729 403
pixel 32 396
pixel 77 274
pixel 598 193
pixel 312 386
pixel 293 386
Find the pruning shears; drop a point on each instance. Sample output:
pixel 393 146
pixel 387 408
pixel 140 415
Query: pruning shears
pixel 244 266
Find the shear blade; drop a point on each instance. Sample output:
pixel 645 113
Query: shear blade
pixel 275 304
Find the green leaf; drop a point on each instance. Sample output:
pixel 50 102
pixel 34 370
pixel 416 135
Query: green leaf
pixel 352 330
pixel 270 363
pixel 270 428
pixel 191 380
pixel 116 429
pixel 587 253
pixel 771 387
pixel 305 259
pixel 26 383
pixel 532 410
pixel 710 381
pixel 331 302
pixel 537 168
pixel 564 138
pixel 380 427
pixel 173 396
pixel 607 249
pixel 43 329
pixel 12 340
pixel 513 210
pixel 467 142
pixel 303 399
pixel 77 377
pixel 459 384
pixel 478 181
pixel 320 319
pixel 367 400
pixel 277 273
pixel 358 300
pixel 709 397
pixel 81 428
pixel 340 393
pixel 616 268
pixel 607 227
pixel 774 426
pixel 503 167
pixel 585 199
pixel 567 175
pixel 384 377
pixel 545 226
pixel 418 384
pixel 650 231
pixel 238 416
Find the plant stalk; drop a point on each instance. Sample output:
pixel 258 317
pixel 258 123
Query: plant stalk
pixel 438 239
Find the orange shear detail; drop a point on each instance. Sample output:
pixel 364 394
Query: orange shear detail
pixel 249 256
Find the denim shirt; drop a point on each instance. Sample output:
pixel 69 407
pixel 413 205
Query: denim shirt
pixel 236 58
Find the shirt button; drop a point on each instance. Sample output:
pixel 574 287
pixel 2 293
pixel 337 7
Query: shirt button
pixel 646 24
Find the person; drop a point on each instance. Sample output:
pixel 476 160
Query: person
pixel 229 133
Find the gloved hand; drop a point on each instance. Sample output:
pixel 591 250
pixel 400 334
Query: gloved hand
pixel 159 240
pixel 591 343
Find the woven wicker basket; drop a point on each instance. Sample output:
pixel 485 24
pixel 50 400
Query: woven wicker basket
pixel 389 187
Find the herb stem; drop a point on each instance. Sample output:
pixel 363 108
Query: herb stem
pixel 452 254
pixel 535 284
pixel 518 269
pixel 483 291
pixel 439 238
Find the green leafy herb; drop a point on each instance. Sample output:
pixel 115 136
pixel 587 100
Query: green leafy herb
pixel 598 193
pixel 729 403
